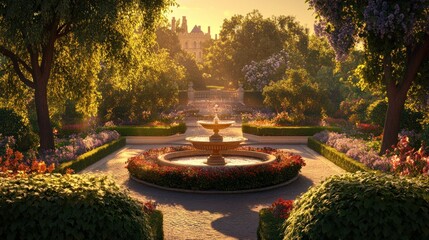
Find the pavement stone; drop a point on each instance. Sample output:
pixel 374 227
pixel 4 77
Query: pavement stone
pixel 214 216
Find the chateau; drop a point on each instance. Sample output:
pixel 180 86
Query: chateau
pixel 191 42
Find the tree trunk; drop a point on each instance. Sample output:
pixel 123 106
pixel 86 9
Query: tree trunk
pixel 46 134
pixel 392 122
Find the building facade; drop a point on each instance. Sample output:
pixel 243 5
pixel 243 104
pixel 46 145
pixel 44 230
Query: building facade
pixel 191 42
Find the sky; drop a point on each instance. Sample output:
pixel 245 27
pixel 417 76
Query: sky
pixel 213 12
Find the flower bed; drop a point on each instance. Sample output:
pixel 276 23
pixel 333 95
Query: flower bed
pixel 145 168
pixel 70 149
pixel 402 159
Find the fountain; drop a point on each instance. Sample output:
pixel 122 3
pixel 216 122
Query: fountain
pixel 215 150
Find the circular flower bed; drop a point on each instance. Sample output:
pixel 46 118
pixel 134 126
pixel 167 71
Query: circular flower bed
pixel 285 168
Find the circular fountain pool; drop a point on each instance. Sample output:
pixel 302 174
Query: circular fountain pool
pixel 231 158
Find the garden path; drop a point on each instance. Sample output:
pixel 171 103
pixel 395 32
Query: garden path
pixel 214 216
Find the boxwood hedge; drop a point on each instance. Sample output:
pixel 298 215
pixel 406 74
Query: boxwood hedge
pixel 54 206
pixel 362 206
pixel 149 131
pixel 285 131
pixel 270 227
pixel 92 156
pixel 340 159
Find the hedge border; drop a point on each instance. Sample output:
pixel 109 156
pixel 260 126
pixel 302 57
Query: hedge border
pixel 92 156
pixel 156 219
pixel 149 131
pixel 269 227
pixel 340 159
pixel 286 130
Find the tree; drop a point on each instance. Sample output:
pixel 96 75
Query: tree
pixel 33 33
pixel 296 95
pixel 244 39
pixel 395 37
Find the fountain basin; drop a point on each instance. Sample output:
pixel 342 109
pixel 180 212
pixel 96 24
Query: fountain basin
pixel 215 146
pixel 198 159
pixel 215 125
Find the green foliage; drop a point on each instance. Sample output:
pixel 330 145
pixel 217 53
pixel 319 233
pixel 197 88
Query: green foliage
pixel 11 124
pixel 151 85
pixel 92 156
pixel 285 131
pixel 253 99
pixel 54 206
pixel 253 38
pixel 296 95
pixel 376 112
pixel 340 159
pixel 362 206
pixel 270 227
pixel 150 131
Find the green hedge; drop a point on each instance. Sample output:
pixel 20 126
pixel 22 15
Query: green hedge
pixel 339 158
pixel 92 156
pixel 88 206
pixel 270 227
pixel 362 206
pixel 149 131
pixel 286 131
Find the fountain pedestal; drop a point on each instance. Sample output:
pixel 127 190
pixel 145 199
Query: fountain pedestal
pixel 215 143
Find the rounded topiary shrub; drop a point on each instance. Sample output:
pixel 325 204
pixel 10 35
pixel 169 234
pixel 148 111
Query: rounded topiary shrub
pixel 376 112
pixel 362 206
pixel 11 124
pixel 54 206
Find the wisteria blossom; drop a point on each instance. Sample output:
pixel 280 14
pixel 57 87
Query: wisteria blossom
pixel 259 74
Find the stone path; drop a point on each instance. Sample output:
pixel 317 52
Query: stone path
pixel 214 216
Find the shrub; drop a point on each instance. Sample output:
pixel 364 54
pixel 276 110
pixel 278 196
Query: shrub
pixel 362 206
pixel 145 168
pixel 340 159
pixel 376 112
pixel 11 124
pixel 88 158
pixel 271 219
pixel 53 206
pixel 407 161
pixel 149 131
pixel 285 131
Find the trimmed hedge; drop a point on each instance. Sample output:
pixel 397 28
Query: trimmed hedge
pixel 149 131
pixel 286 130
pixel 270 227
pixel 340 159
pixel 144 167
pixel 362 206
pixel 92 156
pixel 55 206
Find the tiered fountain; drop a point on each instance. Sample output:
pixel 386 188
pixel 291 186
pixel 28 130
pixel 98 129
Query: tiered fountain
pixel 215 150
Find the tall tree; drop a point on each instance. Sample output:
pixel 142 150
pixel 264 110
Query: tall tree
pixel 252 37
pixel 32 32
pixel 395 37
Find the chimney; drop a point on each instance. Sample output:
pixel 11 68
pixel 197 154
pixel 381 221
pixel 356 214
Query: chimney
pixel 173 24
pixel 215 36
pixel 184 24
pixel 208 30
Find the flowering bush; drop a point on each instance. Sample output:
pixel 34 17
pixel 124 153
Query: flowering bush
pixel 407 161
pixel 144 167
pixel 71 148
pixel 281 208
pixel 402 160
pixel 13 163
pixel 259 74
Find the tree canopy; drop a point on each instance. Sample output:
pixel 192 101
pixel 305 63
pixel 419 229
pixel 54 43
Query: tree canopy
pixel 395 38
pixel 52 45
